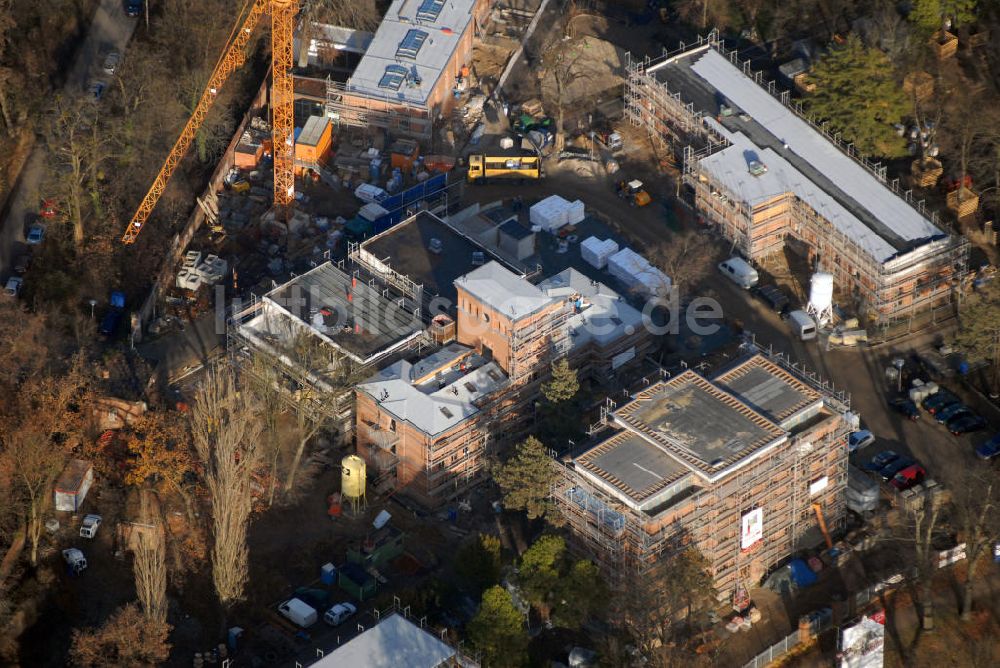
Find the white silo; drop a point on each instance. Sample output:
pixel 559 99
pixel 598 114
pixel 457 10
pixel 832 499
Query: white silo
pixel 820 305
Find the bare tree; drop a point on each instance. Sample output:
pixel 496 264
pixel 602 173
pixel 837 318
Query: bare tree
pixel 150 567
pixel 127 638
pixel 685 257
pixel 35 462
pixel 975 515
pixel 227 429
pixel 564 61
pixel 921 531
pixel 315 404
pixel 356 14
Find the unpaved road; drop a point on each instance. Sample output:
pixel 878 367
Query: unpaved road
pixel 110 30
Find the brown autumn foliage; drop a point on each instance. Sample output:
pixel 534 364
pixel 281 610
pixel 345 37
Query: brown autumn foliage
pixel 128 638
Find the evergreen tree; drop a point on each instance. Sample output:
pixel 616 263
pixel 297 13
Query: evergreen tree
pixel 498 632
pixel 579 595
pixel 857 95
pixel 526 479
pixel 932 15
pixel 541 565
pixel 564 384
pixel 478 562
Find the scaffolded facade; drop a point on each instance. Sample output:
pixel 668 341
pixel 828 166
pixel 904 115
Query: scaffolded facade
pixel 920 277
pixel 627 531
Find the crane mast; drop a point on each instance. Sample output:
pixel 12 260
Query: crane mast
pixel 283 14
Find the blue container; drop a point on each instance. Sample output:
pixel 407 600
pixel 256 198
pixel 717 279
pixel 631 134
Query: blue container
pixel 117 299
pixel 328 574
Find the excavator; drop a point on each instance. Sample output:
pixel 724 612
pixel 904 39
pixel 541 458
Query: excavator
pixel 282 13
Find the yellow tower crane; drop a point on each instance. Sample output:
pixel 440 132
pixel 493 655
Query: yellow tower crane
pixel 283 14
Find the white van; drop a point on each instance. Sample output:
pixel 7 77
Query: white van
pixel 803 324
pixel 368 193
pixel 298 612
pixel 739 272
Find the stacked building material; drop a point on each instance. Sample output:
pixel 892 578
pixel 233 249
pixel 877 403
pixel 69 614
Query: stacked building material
pixel 626 265
pixel 652 282
pixel 576 212
pixel 551 213
pixel 596 252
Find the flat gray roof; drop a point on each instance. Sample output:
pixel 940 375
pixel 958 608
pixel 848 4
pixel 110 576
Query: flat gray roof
pixel 442 23
pixel 699 423
pixel 501 289
pixel 832 183
pixel 632 466
pixel 768 388
pixel 405 248
pixel 349 314
pixel 442 401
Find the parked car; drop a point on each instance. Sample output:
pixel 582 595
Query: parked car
pixel 91 523
pixel 35 236
pixel 297 612
pixel 75 560
pixel 989 449
pixel 860 439
pixel 111 62
pixel 906 407
pixel 908 477
pixel 967 424
pixel 48 209
pixel 939 400
pixel 22 263
pixel 739 272
pixel 889 471
pixel 339 613
pixel 96 89
pixel 953 411
pixel 773 297
pixel 133 8
pixel 880 461
pixel 13 286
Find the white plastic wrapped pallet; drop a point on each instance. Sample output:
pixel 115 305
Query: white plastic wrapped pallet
pixel 575 212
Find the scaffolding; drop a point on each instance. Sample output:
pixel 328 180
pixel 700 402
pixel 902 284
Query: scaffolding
pixel 626 542
pixel 362 110
pixel 885 291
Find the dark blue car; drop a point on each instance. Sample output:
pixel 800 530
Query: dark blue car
pixel 133 7
pixel 989 449
pixel 880 461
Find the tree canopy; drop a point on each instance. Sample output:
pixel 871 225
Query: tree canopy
pixel 497 630
pixel 572 591
pixel 563 385
pixel 526 478
pixel 859 97
pixel 478 561
pixel 979 329
pixel 932 15
pixel 128 638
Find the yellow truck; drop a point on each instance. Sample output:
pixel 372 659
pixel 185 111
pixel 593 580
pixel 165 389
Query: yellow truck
pixel 482 168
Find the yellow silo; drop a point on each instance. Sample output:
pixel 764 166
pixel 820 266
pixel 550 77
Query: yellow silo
pixel 352 482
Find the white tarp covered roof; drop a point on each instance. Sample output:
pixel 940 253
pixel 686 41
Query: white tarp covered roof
pixel 395 642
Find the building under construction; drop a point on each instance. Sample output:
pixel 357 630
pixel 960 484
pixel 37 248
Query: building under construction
pixel 426 427
pixel 766 176
pixel 745 465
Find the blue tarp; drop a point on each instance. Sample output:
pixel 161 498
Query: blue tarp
pixel 802 575
pixel 396 204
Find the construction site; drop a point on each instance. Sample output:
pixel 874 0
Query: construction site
pixel 766 177
pixel 749 465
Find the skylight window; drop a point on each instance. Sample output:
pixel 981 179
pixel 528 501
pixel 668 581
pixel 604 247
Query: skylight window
pixel 410 46
pixel 429 10
pixel 393 78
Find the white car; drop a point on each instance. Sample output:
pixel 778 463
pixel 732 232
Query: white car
pixel 339 613
pixel 13 286
pixel 111 62
pixel 91 523
pixel 859 439
pixel 75 560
